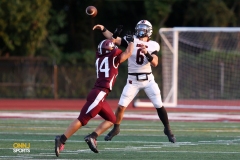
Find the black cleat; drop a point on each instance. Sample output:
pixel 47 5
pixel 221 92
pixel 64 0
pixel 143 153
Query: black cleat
pixel 59 146
pixel 170 136
pixel 111 134
pixel 92 143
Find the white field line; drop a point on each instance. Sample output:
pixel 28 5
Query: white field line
pixel 146 143
pixel 127 148
pixel 31 156
pixel 139 104
pixel 117 149
pixel 77 141
pixel 233 130
pixel 149 116
pixel 209 107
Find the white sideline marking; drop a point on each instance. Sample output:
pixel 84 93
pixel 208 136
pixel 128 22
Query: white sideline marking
pixel 232 130
pixel 147 142
pixel 191 152
pixel 140 104
pixel 143 116
pixel 209 107
pixel 117 149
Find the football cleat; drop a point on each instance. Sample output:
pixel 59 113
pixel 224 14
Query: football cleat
pixel 92 143
pixel 111 134
pixel 59 146
pixel 170 136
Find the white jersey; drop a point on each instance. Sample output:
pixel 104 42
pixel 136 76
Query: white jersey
pixel 137 62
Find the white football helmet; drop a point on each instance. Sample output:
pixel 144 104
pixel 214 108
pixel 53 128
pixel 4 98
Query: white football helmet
pixel 143 29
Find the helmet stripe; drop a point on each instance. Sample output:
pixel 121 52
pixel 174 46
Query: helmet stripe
pixel 100 47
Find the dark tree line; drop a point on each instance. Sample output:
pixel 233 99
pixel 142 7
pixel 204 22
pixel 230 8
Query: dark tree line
pixel 60 29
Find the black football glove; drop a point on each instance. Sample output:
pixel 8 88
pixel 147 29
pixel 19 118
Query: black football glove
pixel 117 31
pixel 129 37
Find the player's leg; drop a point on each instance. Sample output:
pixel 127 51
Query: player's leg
pixel 89 110
pixel 105 125
pixel 153 92
pixel 116 128
pixel 119 114
pixel 72 128
pixel 96 98
pixel 60 140
pixel 129 92
pixel 91 139
pixel 107 114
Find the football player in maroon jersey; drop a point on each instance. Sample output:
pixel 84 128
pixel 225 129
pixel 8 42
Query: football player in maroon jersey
pixel 140 75
pixel 108 58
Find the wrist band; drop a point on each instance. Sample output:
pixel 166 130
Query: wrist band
pixel 149 57
pixel 104 29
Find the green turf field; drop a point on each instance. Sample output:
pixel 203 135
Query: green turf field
pixel 138 140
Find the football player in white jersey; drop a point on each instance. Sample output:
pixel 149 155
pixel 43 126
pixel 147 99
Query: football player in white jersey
pixel 140 75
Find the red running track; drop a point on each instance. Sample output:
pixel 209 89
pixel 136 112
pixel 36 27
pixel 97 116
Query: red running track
pixel 76 105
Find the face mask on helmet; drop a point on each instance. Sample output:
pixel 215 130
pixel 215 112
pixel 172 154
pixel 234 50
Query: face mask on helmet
pixel 143 29
pixel 106 46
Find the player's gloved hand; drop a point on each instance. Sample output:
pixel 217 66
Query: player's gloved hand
pixel 117 31
pixel 129 37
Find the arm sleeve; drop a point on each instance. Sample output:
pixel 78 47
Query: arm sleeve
pixel 155 52
pixel 155 48
pixel 117 54
pixel 124 42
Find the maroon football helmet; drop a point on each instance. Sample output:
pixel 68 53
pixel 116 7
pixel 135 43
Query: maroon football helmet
pixel 106 46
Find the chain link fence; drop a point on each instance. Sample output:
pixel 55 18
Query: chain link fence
pixel 41 78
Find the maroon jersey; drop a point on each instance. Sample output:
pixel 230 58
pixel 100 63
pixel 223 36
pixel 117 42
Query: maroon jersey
pixel 107 68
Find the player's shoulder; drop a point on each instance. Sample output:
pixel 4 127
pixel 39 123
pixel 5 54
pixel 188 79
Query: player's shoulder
pixel 117 51
pixel 113 53
pixel 154 45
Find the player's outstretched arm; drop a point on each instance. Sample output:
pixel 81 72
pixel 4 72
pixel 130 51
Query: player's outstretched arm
pixel 108 34
pixel 105 32
pixel 128 52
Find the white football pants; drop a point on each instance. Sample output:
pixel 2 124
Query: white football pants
pixel 133 86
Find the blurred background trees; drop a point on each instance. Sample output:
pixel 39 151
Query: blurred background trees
pixel 61 31
pixel 23 26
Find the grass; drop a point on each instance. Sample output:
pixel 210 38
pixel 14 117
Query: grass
pixel 138 140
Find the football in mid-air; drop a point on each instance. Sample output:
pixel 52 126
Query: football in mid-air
pixel 91 11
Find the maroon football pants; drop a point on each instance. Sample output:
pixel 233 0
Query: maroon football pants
pixel 96 104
